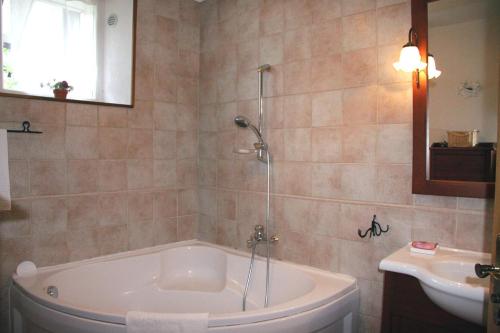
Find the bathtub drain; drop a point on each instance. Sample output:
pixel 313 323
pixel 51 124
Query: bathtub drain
pixel 52 291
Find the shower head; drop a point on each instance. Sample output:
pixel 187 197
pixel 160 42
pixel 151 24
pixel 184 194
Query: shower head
pixel 244 122
pixel 241 121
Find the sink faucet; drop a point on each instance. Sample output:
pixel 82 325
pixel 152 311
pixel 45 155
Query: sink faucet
pixel 259 235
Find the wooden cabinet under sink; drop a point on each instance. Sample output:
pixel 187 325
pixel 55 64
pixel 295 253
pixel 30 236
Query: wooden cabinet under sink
pixel 407 309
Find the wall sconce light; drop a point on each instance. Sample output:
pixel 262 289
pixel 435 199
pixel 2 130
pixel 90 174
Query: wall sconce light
pixel 432 71
pixel 409 58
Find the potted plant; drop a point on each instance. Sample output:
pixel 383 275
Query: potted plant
pixel 60 88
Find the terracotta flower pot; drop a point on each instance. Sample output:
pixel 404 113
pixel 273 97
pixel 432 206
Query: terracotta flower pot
pixel 60 93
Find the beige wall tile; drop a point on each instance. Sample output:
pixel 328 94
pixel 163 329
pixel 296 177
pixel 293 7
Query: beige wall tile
pixel 47 177
pixel 297 45
pixel 187 174
pixel 274 82
pixel 165 144
pixel 164 115
pixel 139 174
pixel 112 117
pixel 112 239
pixel 326 144
pixel 394 184
pixel 292 178
pixel 81 142
pixel 113 143
pixel 226 87
pixel 165 231
pixel 227 205
pixel 297 77
pixel 49 216
pixel 81 213
pixel 358 30
pixel 247 81
pixel 141 116
pixel 358 143
pixel 326 73
pixel 140 234
pixel 435 201
pixel 360 105
pixel 187 227
pixel 49 145
pixel 207 172
pixel 272 17
pixel 140 206
pixel 298 14
pixel 474 232
pixel 272 49
pixel 392 24
pixel 326 38
pixel 395 103
pixel 434 226
pixel 296 213
pixel 358 67
pixel 248 24
pixel 187 144
pixel 327 109
pixel 82 244
pixel 298 111
pixel 208 117
pixel 248 55
pixel 82 176
pixel 51 249
pixel 394 143
pixel 298 144
pixel 325 10
pixel 112 175
pixel 165 204
pixel 112 209
pixel 19 178
pixel 356 6
pixel 164 173
pixel 81 114
pixel 140 144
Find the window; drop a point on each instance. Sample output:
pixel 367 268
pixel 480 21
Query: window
pixel 46 40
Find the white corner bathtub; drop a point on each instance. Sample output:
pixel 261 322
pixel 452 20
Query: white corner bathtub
pixel 94 296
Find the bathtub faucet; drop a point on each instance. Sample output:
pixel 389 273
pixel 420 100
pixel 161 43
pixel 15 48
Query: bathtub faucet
pixel 259 235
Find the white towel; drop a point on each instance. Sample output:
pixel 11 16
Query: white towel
pixel 149 322
pixel 4 172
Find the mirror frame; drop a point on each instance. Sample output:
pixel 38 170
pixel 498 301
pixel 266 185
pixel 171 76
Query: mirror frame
pixel 132 88
pixel 420 183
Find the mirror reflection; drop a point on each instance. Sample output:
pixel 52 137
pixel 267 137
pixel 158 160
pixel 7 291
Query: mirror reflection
pixel 463 37
pixel 83 52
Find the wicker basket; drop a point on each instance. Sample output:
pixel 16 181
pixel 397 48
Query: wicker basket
pixel 462 138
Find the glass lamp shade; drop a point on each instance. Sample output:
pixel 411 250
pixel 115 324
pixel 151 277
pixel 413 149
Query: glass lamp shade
pixel 432 72
pixel 409 59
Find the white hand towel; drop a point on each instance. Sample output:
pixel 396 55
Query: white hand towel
pixel 4 172
pixel 148 322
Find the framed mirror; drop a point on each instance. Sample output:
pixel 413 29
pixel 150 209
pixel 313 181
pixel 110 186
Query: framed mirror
pixel 69 50
pixel 455 113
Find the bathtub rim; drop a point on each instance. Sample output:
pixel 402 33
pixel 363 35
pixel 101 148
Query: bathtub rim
pixel 215 319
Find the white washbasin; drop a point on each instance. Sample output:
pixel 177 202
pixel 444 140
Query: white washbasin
pixel 448 278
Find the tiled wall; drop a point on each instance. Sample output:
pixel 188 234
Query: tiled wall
pixel 101 180
pixel 339 127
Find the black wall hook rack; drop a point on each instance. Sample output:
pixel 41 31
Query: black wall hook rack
pixel 26 129
pixel 374 230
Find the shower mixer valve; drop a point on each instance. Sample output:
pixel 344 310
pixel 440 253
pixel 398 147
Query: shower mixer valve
pixel 259 235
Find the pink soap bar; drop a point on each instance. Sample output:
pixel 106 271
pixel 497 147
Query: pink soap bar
pixel 424 245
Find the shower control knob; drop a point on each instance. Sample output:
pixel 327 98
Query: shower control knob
pixel 483 271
